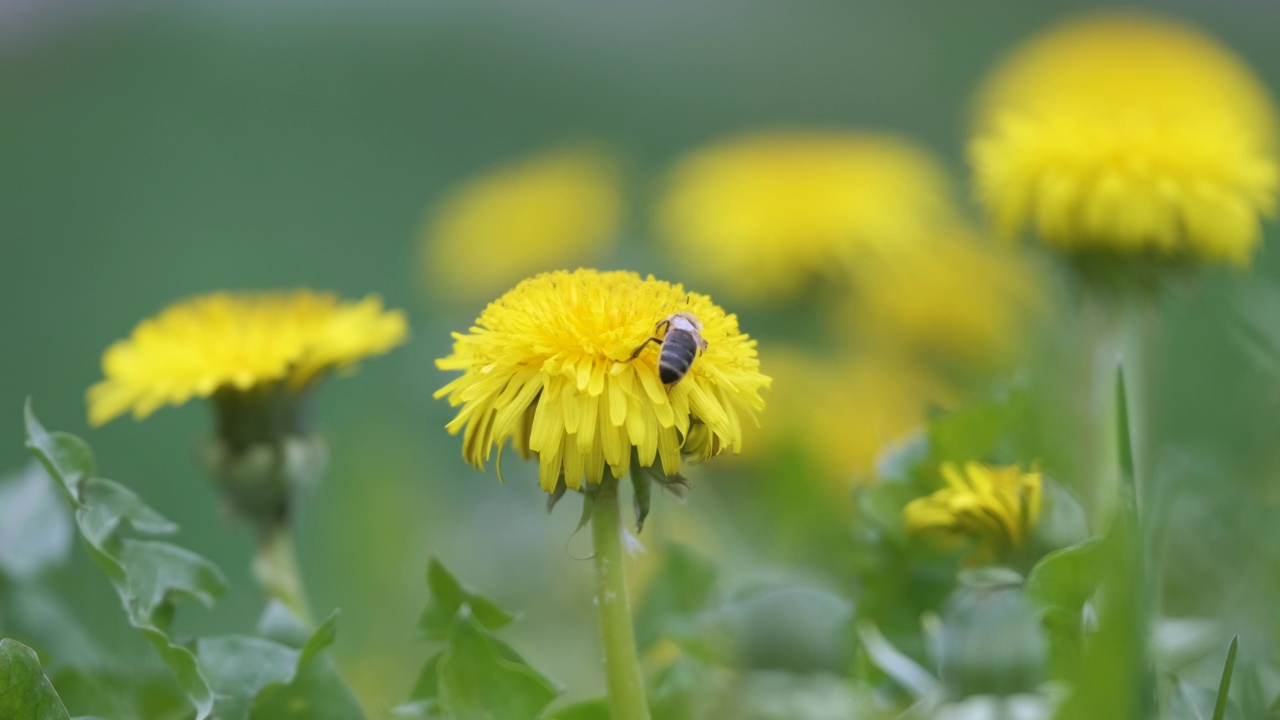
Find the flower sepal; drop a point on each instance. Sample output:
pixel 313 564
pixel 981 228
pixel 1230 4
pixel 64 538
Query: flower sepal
pixel 262 482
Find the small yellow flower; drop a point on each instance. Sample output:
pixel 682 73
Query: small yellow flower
pixel 998 506
pixel 547 366
pixel 237 342
pixel 1128 135
pixel 764 215
pixel 560 208
pixel 845 412
pixel 954 300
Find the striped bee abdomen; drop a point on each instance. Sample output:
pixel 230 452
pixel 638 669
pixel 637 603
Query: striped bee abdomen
pixel 679 348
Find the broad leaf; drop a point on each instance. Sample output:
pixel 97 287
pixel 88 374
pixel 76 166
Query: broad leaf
pixel 477 681
pixel 25 692
pixel 1066 578
pixel 448 595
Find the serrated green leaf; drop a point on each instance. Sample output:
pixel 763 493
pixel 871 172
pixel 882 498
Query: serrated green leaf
pixel 147 575
pixel 448 595
pixel 107 505
pixel 684 586
pixel 597 709
pixel 239 667
pixel 280 624
pixel 1066 578
pixel 316 692
pixel 35 527
pixel 67 458
pixel 25 692
pixel 159 572
pixel 476 681
pixel 254 677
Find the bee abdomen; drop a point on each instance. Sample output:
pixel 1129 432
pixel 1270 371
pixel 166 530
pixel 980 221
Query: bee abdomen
pixel 678 351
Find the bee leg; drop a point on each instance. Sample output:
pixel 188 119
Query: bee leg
pixel 702 345
pixel 636 353
pixel 661 324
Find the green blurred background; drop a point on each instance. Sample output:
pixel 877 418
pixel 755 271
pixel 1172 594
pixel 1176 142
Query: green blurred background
pixel 151 151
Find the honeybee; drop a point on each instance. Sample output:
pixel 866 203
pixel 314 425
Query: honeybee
pixel 679 345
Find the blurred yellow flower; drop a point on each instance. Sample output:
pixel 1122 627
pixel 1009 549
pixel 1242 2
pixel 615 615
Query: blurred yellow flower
pixel 952 300
pixel 845 412
pixel 998 506
pixel 224 341
pixel 560 208
pixel 764 215
pixel 1130 135
pixel 548 366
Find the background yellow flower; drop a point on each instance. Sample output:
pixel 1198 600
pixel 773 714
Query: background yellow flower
pixel 561 208
pixel 1128 134
pixel 547 366
pixel 761 216
pixel 199 346
pixel 953 301
pixel 844 411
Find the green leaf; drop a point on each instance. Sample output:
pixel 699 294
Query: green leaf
pixel 642 490
pixel 25 692
pixel 684 586
pixel 990 577
pixel 906 672
pixel 597 709
pixel 1224 687
pixel 67 458
pixel 424 699
pixel 477 681
pixel 254 677
pixel 1066 578
pixel 238 667
pixel 158 572
pixel 147 575
pixel 35 527
pixel 448 595
pixel 107 505
pixel 1124 441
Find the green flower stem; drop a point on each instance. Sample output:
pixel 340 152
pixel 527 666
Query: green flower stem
pixel 276 568
pixel 622 667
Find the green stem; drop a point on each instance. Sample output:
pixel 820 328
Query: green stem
pixel 622 668
pixel 276 568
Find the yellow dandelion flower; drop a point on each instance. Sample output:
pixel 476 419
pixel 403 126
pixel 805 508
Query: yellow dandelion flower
pixel 845 412
pixel 1128 135
pixel 764 215
pixel 956 301
pixel 560 208
pixel 237 342
pixel 548 366
pixel 999 506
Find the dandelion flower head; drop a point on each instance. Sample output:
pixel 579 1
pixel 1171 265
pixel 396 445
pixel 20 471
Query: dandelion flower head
pixel 763 215
pixel 998 506
pixel 1128 135
pixel 547 366
pixel 955 300
pixel 200 346
pixel 559 208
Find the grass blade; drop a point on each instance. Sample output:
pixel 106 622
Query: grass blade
pixel 1224 687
